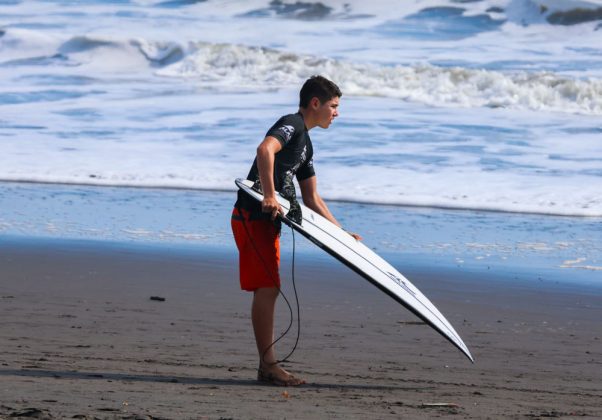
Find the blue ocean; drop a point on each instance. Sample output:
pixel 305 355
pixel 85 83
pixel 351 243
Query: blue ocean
pixel 483 105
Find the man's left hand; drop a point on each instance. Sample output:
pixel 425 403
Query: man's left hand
pixel 355 236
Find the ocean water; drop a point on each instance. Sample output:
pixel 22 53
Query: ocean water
pixel 526 247
pixel 479 105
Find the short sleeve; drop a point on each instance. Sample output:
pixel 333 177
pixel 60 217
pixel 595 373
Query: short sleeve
pixel 286 128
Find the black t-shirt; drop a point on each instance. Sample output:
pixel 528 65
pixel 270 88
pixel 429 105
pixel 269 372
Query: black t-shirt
pixel 294 159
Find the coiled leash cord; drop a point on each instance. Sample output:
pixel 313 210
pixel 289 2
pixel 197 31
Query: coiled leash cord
pixel 280 292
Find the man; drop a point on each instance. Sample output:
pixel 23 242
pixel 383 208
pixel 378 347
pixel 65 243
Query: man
pixel 286 151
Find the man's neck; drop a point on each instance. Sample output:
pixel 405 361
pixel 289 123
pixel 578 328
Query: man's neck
pixel 309 123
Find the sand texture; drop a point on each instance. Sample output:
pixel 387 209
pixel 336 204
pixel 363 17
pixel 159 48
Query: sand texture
pixel 82 338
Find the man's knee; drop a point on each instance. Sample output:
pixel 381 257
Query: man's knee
pixel 266 292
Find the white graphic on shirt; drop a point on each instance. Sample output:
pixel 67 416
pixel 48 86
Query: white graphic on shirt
pixel 288 175
pixel 287 132
pixel 302 158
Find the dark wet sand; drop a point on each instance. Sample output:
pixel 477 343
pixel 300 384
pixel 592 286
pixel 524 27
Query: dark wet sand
pixel 80 336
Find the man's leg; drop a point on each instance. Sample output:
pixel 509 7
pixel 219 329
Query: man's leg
pixel 262 314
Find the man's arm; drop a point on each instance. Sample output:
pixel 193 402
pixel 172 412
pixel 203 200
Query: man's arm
pixel 266 152
pixel 312 199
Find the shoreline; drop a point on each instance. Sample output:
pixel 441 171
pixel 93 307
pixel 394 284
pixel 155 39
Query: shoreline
pixel 562 248
pixel 410 265
pixel 81 336
pixel 233 190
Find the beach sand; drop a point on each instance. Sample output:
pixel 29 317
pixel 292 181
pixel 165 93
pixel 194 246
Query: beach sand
pixel 81 336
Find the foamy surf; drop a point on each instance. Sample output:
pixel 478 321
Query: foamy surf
pixel 237 65
pixel 230 66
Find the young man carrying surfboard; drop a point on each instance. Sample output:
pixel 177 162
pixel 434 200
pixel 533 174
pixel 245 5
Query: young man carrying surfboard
pixel 286 151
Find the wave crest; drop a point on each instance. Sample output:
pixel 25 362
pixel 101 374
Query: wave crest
pixel 229 66
pixel 236 65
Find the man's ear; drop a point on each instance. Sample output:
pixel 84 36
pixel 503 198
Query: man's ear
pixel 315 102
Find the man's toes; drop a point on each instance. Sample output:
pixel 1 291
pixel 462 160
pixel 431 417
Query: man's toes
pixel 294 381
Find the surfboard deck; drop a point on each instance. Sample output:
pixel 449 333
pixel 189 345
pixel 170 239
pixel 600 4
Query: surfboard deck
pixel 366 263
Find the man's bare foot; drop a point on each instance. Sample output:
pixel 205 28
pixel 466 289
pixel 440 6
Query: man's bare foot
pixel 275 375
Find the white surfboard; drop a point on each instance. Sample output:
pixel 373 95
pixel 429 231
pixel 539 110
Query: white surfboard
pixel 366 263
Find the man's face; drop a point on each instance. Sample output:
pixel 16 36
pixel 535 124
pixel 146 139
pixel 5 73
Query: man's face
pixel 327 112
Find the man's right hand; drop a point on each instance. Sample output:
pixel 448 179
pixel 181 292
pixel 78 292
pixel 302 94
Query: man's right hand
pixel 271 205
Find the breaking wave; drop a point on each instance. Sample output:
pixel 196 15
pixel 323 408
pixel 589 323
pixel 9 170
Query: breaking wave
pixel 236 65
pixel 233 66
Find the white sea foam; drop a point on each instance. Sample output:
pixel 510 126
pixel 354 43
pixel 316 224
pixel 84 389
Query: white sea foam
pixel 378 151
pixel 233 66
pixel 236 65
pixel 577 264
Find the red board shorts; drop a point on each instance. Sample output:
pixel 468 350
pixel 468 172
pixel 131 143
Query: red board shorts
pixel 258 244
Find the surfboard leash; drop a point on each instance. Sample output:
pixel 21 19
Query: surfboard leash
pixel 280 292
pixel 296 299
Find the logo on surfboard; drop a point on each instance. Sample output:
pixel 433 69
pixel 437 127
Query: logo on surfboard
pixel 401 283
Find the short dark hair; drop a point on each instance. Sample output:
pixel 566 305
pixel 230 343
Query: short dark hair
pixel 318 87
